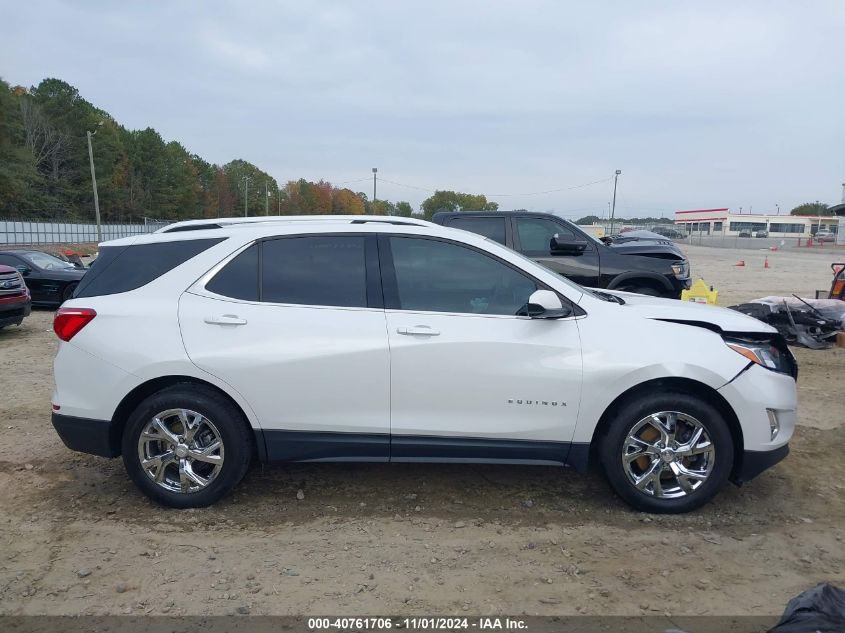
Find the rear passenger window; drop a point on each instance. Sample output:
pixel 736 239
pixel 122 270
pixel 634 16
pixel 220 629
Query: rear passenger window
pixel 321 270
pixel 239 278
pixel 494 228
pixel 124 268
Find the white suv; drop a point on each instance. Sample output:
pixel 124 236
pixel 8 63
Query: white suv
pixel 195 350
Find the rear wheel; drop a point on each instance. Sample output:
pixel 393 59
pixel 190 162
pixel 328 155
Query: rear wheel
pixel 667 453
pixel 67 293
pixel 186 446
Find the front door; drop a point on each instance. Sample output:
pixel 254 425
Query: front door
pixel 303 341
pixel 469 378
pixel 532 238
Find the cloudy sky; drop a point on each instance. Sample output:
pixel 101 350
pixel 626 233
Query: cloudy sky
pixel 701 104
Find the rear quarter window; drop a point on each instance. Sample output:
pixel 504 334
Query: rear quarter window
pixel 490 227
pixel 123 268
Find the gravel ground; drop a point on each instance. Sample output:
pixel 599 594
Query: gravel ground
pixel 77 538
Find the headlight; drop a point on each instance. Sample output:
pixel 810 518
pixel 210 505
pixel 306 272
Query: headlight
pixel 681 270
pixel 762 353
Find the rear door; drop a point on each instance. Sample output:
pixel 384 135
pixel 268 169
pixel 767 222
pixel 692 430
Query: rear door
pixel 532 237
pixel 296 325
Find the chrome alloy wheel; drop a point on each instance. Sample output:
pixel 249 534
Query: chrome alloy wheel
pixel 181 450
pixel 668 455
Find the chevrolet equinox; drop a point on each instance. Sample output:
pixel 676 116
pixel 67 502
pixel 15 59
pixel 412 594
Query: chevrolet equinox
pixel 194 350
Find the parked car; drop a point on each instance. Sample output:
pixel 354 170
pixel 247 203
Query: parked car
pixel 15 302
pixel 394 339
pixel 745 233
pixel 667 231
pixel 50 280
pixel 761 233
pixel 825 236
pixel 653 267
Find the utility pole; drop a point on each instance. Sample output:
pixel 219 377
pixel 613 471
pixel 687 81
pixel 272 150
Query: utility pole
pixel 375 175
pixel 94 182
pixel 266 198
pixel 613 206
pixel 245 180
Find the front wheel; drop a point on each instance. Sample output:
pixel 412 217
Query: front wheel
pixel 186 446
pixel 643 290
pixel 667 453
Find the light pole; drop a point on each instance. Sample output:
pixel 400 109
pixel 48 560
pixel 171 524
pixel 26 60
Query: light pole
pixel 94 182
pixel 245 180
pixel 375 175
pixel 613 206
pixel 266 198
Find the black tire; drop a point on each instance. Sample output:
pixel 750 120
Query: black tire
pixel 235 434
pixel 67 293
pixel 643 290
pixel 629 414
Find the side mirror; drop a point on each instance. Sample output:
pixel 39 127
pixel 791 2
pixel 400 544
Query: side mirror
pixel 569 244
pixel 24 270
pixel 545 304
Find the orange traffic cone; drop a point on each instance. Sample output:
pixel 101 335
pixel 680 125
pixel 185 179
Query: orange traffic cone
pixel 766 263
pixel 741 262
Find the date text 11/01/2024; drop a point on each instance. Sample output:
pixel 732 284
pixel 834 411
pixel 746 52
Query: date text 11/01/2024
pixel 417 623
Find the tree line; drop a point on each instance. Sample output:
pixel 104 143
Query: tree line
pixel 45 171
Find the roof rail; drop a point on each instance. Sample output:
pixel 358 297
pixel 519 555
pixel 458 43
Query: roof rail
pixel 218 223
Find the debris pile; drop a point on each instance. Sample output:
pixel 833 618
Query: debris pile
pixel 812 323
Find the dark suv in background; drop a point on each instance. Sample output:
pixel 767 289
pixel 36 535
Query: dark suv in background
pixel 651 267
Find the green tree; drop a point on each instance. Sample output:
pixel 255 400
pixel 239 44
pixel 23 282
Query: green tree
pixel 589 219
pixel 454 201
pixel 17 173
pixel 812 208
pixel 403 209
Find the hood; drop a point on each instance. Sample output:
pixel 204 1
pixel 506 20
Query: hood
pixel 71 274
pixel 645 247
pixel 5 270
pixel 692 313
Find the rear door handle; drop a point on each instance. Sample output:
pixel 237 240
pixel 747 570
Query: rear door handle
pixel 417 330
pixel 225 319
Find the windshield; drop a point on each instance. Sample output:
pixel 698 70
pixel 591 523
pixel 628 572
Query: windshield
pixel 48 262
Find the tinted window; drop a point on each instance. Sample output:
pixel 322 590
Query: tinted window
pixel 325 270
pixel 535 234
pixel 10 260
pixel 123 268
pixel 239 278
pixel 443 277
pixel 494 228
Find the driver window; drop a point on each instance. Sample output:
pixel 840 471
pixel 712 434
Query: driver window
pixel 445 277
pixel 535 234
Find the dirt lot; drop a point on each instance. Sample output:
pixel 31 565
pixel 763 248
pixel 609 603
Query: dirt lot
pixel 77 538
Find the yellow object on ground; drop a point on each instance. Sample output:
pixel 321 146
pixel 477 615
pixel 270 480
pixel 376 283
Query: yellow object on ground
pixel 700 292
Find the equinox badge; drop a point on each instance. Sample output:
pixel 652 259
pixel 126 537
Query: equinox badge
pixel 545 403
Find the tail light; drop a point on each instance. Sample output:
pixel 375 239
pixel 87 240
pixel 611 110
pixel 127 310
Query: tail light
pixel 68 321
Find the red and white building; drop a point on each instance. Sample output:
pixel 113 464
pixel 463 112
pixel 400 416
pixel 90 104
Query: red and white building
pixel 723 221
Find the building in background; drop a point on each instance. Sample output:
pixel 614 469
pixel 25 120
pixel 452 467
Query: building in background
pixel 731 223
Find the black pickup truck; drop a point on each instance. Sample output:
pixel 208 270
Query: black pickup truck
pixel 652 267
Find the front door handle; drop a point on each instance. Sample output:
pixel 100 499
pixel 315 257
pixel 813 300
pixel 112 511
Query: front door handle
pixel 417 330
pixel 225 319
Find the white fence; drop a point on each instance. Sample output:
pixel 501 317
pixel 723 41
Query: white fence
pixel 24 232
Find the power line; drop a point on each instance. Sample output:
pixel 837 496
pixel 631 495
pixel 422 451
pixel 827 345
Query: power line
pixel 507 195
